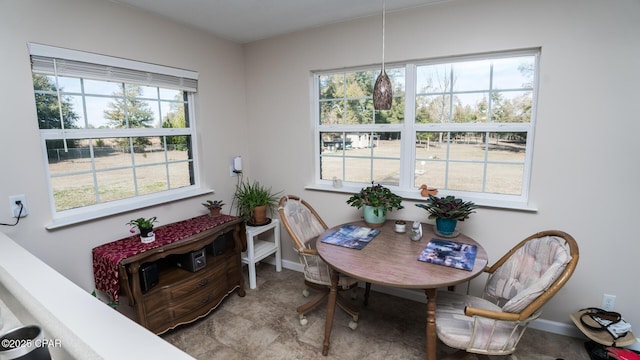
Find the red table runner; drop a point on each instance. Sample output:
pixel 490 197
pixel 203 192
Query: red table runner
pixel 107 257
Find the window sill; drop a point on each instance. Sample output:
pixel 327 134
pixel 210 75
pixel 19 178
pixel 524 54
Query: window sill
pixel 76 216
pixel 415 196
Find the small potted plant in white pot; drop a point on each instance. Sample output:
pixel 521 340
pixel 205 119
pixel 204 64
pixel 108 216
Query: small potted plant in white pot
pixel 447 210
pixel 145 226
pixel 214 207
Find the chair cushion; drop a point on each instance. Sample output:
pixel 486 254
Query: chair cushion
pixel 529 272
pixel 455 329
pixel 302 221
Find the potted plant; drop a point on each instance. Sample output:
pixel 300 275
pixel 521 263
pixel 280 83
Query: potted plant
pixel 214 207
pixel 145 226
pixel 376 200
pixel 254 201
pixel 447 210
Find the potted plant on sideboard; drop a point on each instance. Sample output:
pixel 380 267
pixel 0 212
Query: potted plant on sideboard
pixel 145 226
pixel 447 210
pixel 214 207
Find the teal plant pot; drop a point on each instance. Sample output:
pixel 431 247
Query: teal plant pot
pixel 371 218
pixel 446 226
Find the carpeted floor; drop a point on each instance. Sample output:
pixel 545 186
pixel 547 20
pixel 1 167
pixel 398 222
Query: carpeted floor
pixel 264 325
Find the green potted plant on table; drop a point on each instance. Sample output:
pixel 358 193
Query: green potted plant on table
pixel 254 201
pixel 376 200
pixel 145 226
pixel 447 210
pixel 214 207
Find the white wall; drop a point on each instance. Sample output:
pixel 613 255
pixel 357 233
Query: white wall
pixel 585 171
pixel 107 28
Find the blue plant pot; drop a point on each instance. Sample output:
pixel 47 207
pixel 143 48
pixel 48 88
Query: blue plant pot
pixel 446 226
pixel 371 218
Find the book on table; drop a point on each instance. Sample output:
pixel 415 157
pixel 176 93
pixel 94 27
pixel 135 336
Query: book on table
pixel 449 253
pixel 351 236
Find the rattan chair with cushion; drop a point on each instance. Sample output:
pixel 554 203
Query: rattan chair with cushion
pixel 304 225
pixel 517 287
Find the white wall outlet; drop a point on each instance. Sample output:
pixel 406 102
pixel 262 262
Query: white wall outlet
pixel 15 208
pixel 608 302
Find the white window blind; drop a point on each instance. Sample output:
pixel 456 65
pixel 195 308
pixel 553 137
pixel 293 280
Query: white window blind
pixel 100 67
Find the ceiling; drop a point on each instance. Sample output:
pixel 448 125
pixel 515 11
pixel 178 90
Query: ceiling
pixel 244 21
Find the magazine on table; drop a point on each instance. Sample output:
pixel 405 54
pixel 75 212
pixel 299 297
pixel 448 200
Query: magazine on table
pixel 351 236
pixel 449 253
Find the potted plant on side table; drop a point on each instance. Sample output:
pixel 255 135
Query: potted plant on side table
pixel 145 226
pixel 254 201
pixel 376 200
pixel 447 210
pixel 214 207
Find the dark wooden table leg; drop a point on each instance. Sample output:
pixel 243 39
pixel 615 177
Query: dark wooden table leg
pixel 432 338
pixel 331 307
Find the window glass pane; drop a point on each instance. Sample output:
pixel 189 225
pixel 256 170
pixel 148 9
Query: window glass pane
pixel 433 109
pixel 467 146
pixel 147 92
pixel 331 167
pixel 504 179
pixel 171 94
pixel 151 110
pixel 360 111
pixel 360 84
pixel 73 191
pixel 331 86
pixel 96 116
pixel 152 179
pixel 331 112
pixel 358 170
pixel 464 176
pixel 97 87
pixel 179 175
pixel 77 158
pixel 513 73
pixel 433 79
pixel 114 153
pixel 507 147
pixel 470 108
pixel 471 75
pixel 149 150
pixel 430 172
pixel 67 84
pixel 115 184
pixel 386 172
pixel 512 107
pixel 48 111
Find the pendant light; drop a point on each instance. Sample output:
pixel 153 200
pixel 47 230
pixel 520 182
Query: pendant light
pixel 382 93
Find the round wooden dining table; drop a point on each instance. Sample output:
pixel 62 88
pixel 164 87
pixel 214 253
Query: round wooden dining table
pixel 391 259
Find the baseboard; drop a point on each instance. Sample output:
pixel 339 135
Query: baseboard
pixel 553 327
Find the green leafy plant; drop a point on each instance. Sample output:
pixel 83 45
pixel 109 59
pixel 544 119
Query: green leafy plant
pixel 377 196
pixel 215 204
pixel 142 223
pixel 250 195
pixel 448 207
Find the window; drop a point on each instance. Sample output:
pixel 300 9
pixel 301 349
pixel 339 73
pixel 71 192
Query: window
pixel 463 125
pixel 114 137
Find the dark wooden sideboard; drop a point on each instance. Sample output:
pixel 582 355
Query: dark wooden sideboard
pixel 181 296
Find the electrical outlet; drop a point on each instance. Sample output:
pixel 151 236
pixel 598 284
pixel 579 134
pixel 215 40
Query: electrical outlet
pixel 608 302
pixel 15 208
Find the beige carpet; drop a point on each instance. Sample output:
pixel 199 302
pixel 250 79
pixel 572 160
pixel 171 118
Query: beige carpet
pixel 264 325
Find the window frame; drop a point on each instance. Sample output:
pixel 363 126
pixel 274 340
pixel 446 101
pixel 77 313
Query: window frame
pixel 409 128
pixel 90 212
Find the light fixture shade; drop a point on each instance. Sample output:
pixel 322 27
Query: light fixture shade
pixel 382 93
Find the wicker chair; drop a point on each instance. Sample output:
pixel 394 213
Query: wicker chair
pixel 517 286
pixel 304 225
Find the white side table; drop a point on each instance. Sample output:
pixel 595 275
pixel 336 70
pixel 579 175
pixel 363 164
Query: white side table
pixel 259 249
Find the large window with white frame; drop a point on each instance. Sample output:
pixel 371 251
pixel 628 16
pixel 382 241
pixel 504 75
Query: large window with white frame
pixel 463 125
pixel 116 134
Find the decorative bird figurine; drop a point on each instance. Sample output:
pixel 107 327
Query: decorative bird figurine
pixel 426 191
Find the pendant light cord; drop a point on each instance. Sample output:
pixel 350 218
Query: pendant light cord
pixel 383 23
